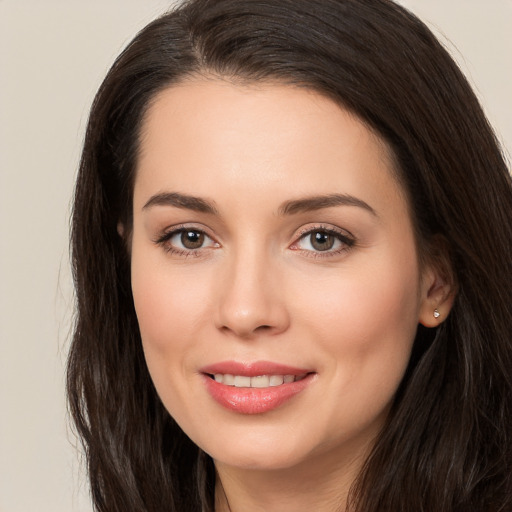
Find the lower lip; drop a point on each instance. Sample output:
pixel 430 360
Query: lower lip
pixel 255 400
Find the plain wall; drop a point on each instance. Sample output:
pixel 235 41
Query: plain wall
pixel 53 56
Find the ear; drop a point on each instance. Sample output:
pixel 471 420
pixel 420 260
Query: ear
pixel 438 287
pixel 120 229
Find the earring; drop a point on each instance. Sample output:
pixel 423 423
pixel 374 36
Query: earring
pixel 436 313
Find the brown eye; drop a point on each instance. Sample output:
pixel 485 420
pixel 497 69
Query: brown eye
pixel 186 241
pixel 192 239
pixel 322 241
pixel 326 241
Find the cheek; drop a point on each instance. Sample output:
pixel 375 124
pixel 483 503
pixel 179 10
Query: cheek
pixel 363 299
pixel 365 321
pixel 366 309
pixel 170 309
pixel 168 304
pixel 364 325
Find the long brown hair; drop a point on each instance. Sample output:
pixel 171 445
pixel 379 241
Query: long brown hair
pixel 447 445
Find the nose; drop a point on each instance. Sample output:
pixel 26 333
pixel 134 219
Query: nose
pixel 251 297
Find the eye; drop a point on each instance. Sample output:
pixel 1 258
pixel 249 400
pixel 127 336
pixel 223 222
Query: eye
pixel 186 240
pixel 189 239
pixel 323 240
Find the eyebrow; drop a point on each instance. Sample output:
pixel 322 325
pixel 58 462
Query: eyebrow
pixel 308 204
pixel 181 201
pixel 291 207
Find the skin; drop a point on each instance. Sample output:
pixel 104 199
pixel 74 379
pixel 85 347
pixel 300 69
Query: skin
pixel 258 290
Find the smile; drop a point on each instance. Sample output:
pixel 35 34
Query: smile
pixel 255 388
pixel 258 381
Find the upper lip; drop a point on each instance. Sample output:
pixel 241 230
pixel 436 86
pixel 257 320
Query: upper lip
pixel 252 369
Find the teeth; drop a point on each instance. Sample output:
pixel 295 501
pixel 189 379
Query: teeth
pixel 242 382
pixel 276 380
pixel 229 380
pixel 259 381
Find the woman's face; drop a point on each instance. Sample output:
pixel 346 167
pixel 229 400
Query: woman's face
pixel 272 247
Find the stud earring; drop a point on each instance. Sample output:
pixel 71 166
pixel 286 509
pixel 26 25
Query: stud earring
pixel 436 313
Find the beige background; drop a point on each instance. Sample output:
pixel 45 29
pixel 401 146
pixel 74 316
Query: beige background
pixel 53 55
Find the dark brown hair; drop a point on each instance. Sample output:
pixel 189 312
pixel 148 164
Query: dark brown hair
pixel 447 444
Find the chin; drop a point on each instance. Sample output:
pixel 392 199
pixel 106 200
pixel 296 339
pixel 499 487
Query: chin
pixel 256 450
pixel 255 460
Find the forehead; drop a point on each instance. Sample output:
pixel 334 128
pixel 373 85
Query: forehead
pixel 206 135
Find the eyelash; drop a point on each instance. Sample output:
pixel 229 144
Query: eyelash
pixel 164 241
pixel 346 239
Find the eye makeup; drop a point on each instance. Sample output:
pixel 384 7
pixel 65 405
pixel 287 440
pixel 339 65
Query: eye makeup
pixel 318 241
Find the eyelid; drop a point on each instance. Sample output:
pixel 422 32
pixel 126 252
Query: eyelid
pixel 183 226
pixel 342 235
pixel 329 228
pixel 345 237
pixel 169 232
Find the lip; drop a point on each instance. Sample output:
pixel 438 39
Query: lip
pixel 254 400
pixel 253 369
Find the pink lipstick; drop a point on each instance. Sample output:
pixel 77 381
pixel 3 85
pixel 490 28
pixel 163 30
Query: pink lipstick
pixel 254 388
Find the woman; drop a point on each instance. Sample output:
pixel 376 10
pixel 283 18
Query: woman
pixel 291 242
